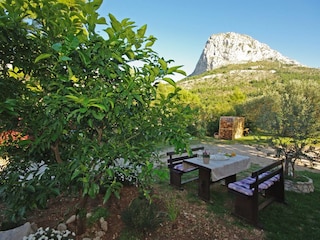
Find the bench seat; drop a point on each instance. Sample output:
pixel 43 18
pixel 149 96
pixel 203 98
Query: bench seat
pixel 257 191
pixel 181 168
pixel 177 168
pixel 243 185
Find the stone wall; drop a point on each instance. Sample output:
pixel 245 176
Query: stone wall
pixel 299 187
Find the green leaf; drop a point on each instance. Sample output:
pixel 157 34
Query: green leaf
pixel 83 110
pixel 42 56
pixel 175 69
pixel 110 32
pixel 107 195
pixel 163 63
pixel 64 58
pixel 138 97
pixel 170 81
pixel 100 106
pixel 84 57
pixel 116 25
pixel 117 194
pixel 90 123
pixel 149 44
pixel 31 188
pixel 98 116
pixel 57 47
pixel 130 54
pixel 181 72
pixel 79 117
pixel 70 73
pixel 141 31
pixel 112 104
pixel 55 191
pixel 75 98
pixel 74 42
pixel 101 20
pixel 117 57
pixel 93 190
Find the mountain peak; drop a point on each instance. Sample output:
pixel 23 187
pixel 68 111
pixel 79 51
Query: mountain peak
pixel 233 48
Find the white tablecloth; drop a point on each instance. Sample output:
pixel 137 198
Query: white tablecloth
pixel 221 166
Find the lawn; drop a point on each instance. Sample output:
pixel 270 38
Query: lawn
pixel 299 219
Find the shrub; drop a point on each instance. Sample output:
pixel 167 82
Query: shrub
pixel 25 186
pixel 99 212
pixel 173 209
pixel 142 215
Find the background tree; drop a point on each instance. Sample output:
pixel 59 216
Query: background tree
pixel 289 113
pixel 83 103
pixel 188 99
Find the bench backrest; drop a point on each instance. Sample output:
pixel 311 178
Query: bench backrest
pixel 177 158
pixel 266 173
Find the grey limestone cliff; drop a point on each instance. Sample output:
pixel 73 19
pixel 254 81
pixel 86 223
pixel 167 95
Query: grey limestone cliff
pixel 234 48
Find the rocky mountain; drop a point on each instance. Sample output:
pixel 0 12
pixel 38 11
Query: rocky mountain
pixel 234 48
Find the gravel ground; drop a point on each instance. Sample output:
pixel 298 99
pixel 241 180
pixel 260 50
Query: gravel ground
pixel 258 155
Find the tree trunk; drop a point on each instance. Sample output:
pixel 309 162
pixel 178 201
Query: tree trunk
pixel 81 216
pixel 99 131
pixel 292 168
pixel 286 166
pixel 55 149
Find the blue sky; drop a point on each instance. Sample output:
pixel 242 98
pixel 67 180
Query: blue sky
pixel 182 28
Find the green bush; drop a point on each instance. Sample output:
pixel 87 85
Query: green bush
pixel 142 215
pixel 99 212
pixel 25 186
pixel 212 127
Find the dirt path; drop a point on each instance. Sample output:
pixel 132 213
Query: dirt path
pixel 258 155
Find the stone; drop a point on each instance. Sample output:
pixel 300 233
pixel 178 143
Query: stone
pixel 62 227
pixel 17 233
pixel 233 48
pixel 103 224
pixel 71 219
pixel 100 234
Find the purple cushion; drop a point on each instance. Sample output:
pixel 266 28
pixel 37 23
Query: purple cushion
pixel 269 182
pixel 240 188
pixel 248 180
pixel 263 174
pixel 275 178
pixel 180 168
pixel 265 185
pixel 243 186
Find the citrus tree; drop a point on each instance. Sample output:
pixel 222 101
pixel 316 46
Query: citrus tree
pixel 91 114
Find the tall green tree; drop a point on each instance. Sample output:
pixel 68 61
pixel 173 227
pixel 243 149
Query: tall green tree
pixel 290 113
pixel 81 98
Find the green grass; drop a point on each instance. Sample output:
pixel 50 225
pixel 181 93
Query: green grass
pixel 296 220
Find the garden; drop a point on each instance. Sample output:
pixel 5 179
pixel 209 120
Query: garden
pixel 180 214
pixel 83 118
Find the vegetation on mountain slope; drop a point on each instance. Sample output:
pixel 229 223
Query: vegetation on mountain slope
pixel 228 90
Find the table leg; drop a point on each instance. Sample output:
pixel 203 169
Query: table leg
pixel 230 179
pixel 204 183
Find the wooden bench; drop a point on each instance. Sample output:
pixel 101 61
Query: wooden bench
pixel 176 167
pixel 254 193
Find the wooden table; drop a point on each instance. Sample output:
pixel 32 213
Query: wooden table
pixel 219 167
